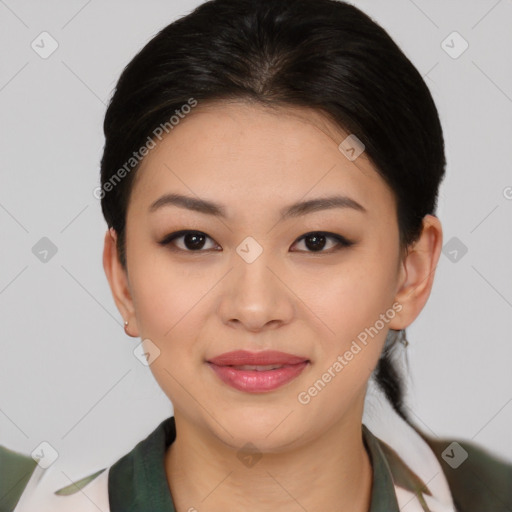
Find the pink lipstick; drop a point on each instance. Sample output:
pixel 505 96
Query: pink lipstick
pixel 257 372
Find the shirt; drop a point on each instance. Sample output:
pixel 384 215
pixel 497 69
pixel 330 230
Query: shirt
pixel 138 482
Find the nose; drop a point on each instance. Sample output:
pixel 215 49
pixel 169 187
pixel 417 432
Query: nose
pixel 255 295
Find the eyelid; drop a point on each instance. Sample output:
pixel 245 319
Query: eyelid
pixel 342 242
pixel 168 239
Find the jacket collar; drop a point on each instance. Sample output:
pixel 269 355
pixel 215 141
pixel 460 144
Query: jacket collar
pixel 138 481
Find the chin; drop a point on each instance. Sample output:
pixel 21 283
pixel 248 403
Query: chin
pixel 269 429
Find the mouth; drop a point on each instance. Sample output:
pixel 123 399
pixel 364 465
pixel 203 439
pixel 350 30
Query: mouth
pixel 258 368
pixel 257 372
pixel 264 358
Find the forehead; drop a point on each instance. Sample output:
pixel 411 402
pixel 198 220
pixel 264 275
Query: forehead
pixel 246 154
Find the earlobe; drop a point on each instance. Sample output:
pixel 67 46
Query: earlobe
pixel 417 272
pixel 118 281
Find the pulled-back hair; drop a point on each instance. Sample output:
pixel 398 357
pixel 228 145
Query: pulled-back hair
pixel 322 54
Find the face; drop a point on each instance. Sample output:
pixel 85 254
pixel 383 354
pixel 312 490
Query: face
pixel 256 271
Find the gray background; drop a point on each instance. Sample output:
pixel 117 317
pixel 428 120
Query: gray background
pixel 67 370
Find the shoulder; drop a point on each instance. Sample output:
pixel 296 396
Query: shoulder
pixel 87 494
pixel 16 471
pixel 40 489
pixel 478 479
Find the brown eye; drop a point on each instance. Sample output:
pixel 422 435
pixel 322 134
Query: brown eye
pixel 192 241
pixel 316 241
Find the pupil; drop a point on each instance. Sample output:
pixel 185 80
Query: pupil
pixel 316 245
pixel 193 241
pixel 196 241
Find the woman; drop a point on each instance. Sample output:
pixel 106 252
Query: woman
pixel 270 180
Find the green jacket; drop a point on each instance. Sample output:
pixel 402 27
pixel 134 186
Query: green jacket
pixel 478 481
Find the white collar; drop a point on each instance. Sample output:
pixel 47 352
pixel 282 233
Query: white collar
pixel 385 423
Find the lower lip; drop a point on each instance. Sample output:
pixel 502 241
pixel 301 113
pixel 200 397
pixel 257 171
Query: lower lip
pixel 253 381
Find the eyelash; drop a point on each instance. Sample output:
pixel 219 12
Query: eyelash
pixel 342 241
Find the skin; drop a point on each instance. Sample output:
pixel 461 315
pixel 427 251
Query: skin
pixel 196 305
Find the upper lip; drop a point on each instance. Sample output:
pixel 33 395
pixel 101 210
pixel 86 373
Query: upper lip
pixel 243 357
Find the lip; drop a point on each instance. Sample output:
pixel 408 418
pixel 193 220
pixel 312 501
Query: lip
pixel 257 381
pixel 242 357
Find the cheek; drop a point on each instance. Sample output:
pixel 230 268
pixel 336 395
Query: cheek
pixel 353 301
pixel 354 305
pixel 170 308
pixel 165 294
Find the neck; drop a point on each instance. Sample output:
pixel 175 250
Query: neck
pixel 333 472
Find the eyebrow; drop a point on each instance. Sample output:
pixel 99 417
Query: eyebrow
pixel 294 210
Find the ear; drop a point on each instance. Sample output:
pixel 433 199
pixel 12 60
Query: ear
pixel 119 284
pixel 417 273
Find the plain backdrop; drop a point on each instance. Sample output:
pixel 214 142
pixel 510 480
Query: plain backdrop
pixel 68 374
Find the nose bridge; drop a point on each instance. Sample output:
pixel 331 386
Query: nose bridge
pixel 253 277
pixel 255 295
